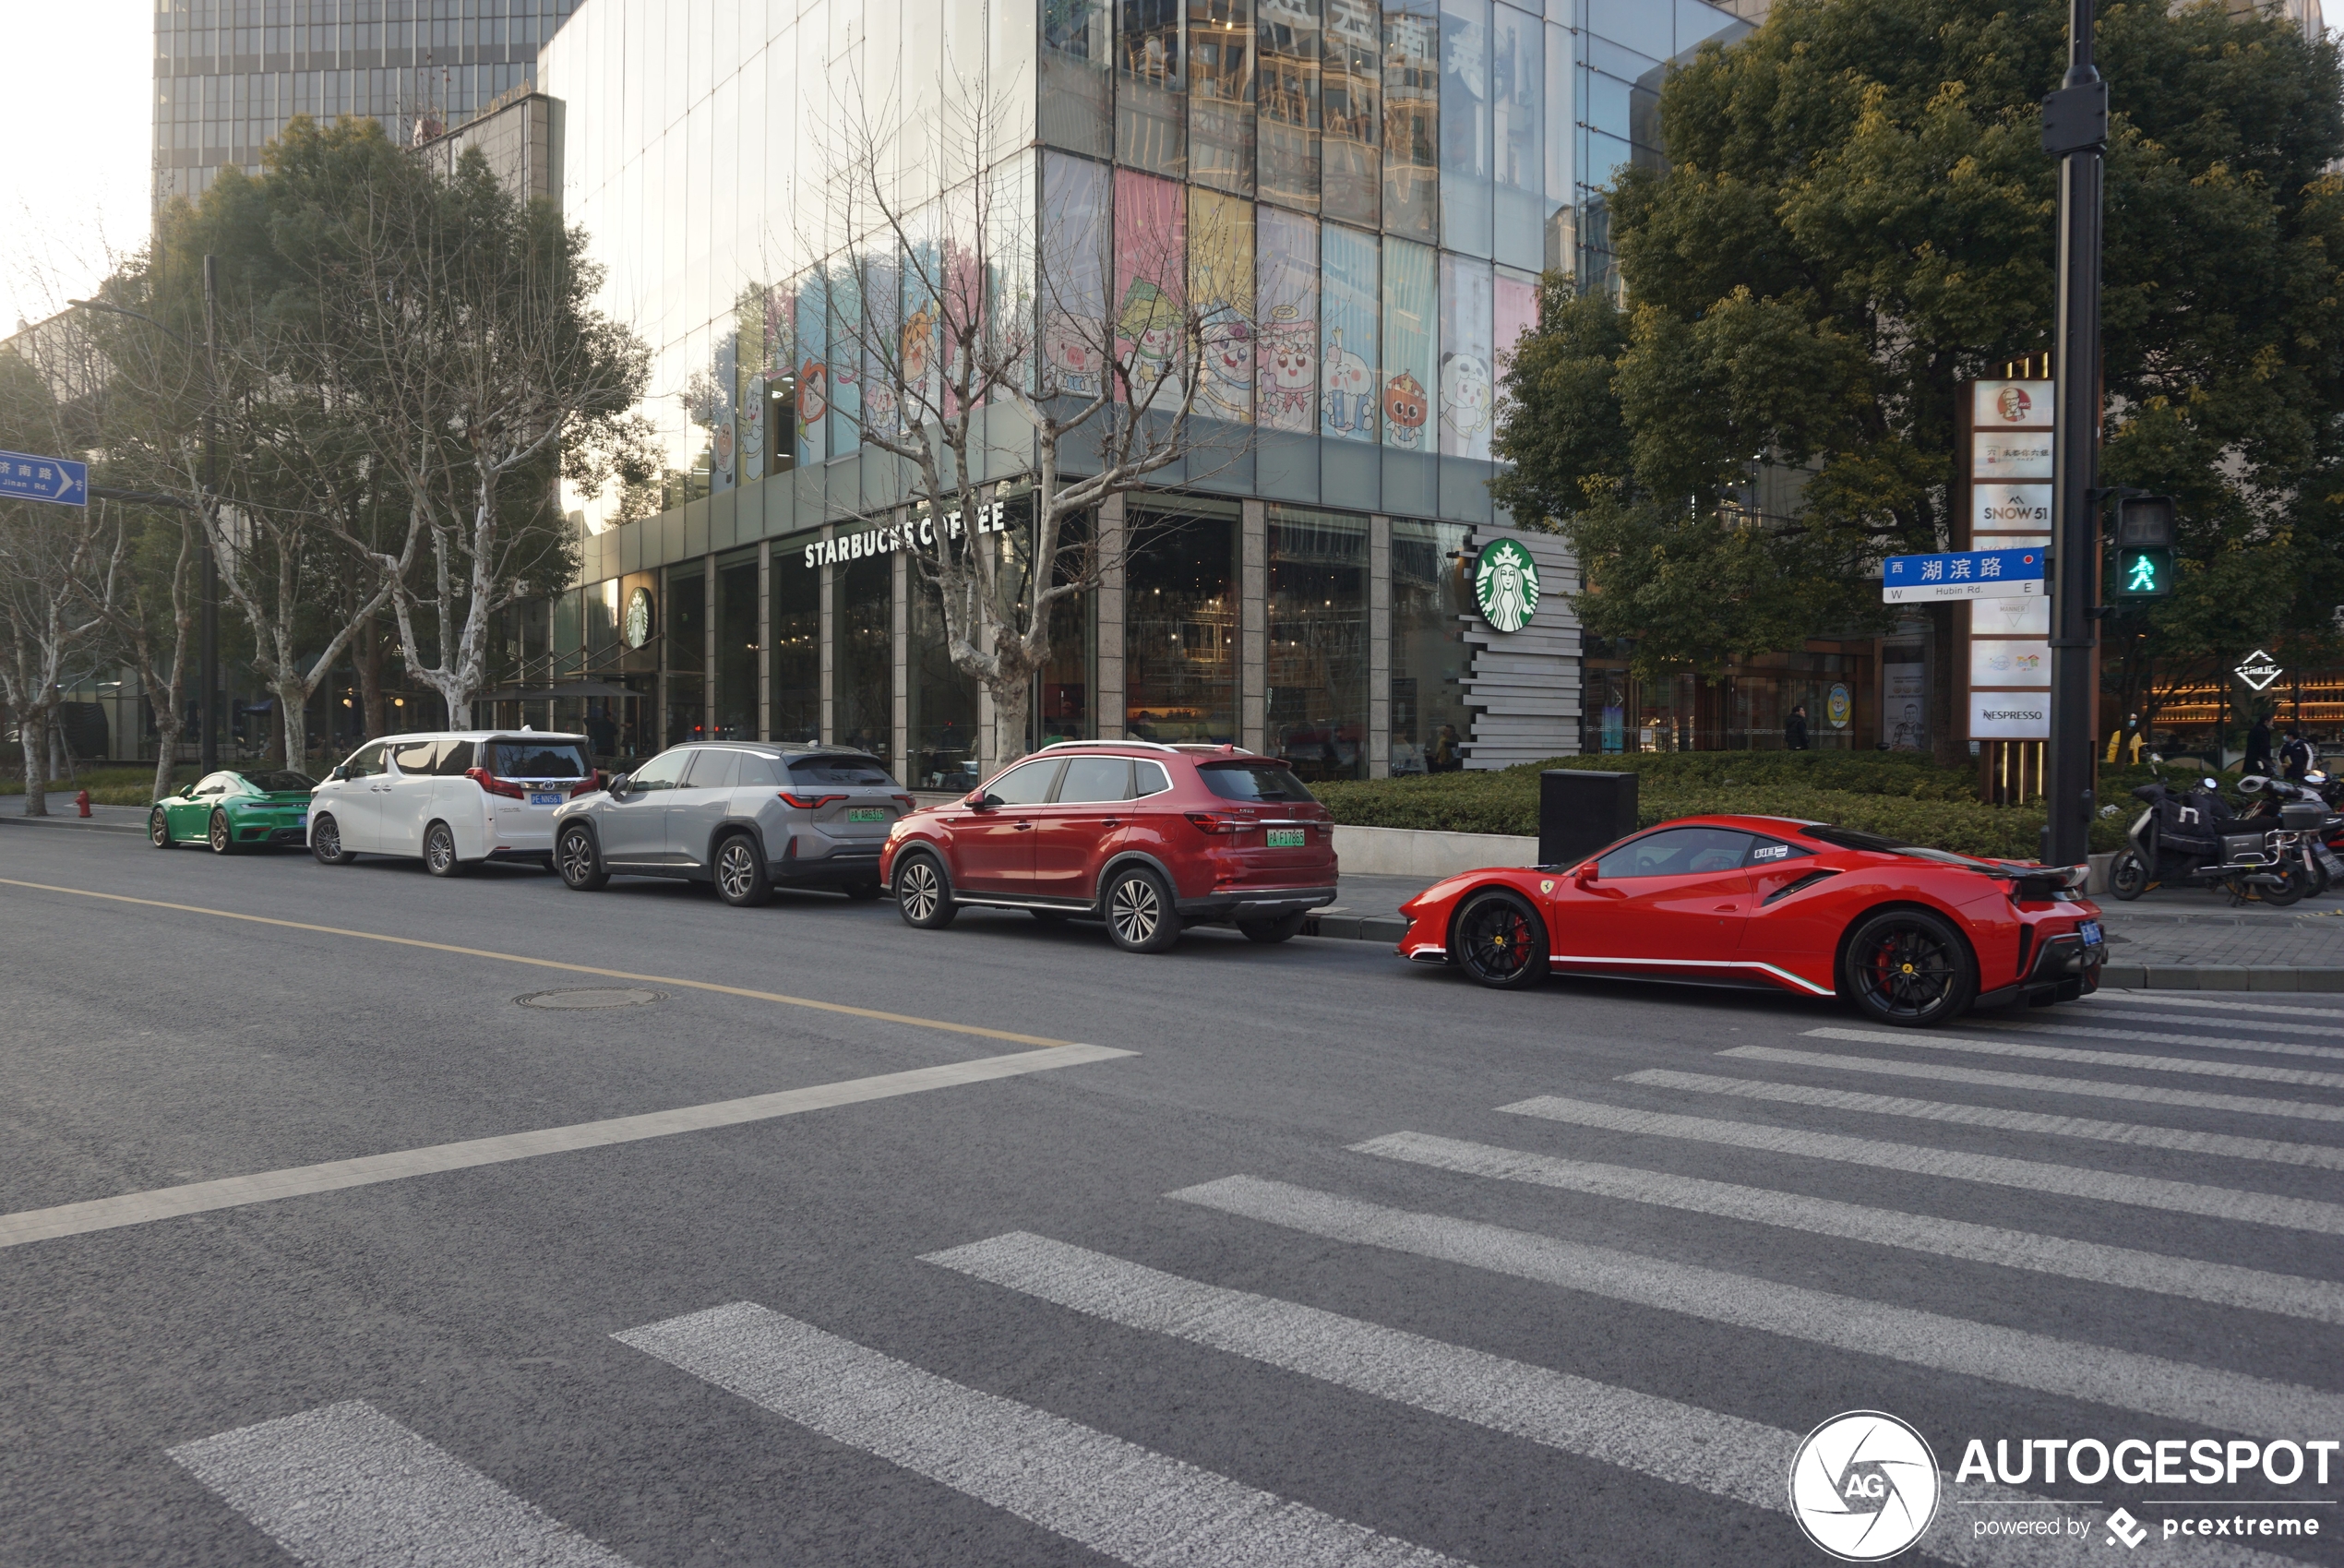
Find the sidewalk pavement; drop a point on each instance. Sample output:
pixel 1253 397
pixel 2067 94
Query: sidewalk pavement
pixel 63 813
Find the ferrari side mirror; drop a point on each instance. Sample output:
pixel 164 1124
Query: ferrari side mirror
pixel 1584 873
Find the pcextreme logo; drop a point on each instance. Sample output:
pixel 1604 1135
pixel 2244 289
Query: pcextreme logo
pixel 1863 1486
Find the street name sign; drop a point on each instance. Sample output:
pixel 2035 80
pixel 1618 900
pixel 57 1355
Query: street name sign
pixel 37 478
pixel 1963 574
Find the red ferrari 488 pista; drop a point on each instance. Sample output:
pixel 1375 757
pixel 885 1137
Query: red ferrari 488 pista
pixel 1910 934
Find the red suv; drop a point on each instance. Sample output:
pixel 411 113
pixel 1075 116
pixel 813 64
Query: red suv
pixel 1150 838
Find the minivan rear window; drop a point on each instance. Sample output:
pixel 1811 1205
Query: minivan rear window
pixel 511 758
pixel 839 771
pixel 1253 781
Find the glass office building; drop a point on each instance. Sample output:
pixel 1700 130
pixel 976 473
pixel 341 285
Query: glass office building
pixel 1371 188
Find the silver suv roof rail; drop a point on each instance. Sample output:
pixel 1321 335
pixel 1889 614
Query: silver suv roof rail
pixel 1151 745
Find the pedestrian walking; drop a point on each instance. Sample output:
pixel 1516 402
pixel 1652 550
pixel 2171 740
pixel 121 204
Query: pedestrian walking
pixel 2258 746
pixel 1794 729
pixel 2296 756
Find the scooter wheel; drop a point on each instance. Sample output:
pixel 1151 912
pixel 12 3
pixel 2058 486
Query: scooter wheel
pixel 2293 883
pixel 2127 877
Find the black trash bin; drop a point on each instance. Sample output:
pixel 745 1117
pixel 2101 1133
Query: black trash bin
pixel 1579 812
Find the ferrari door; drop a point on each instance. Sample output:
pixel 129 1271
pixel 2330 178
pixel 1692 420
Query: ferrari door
pixel 1676 897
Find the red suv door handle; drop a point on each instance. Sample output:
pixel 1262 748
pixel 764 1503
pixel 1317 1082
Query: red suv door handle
pixel 1025 827
pixel 1110 821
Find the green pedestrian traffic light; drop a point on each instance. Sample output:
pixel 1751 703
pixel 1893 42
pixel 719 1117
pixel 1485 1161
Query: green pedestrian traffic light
pixel 2145 547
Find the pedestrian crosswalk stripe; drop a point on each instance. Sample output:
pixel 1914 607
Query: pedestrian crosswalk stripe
pixel 2324 1157
pixel 2241 1027
pixel 2234 1040
pixel 1122 1500
pixel 344 1486
pixel 1706 1451
pixel 2042 1083
pixel 2070 1369
pixel 2221 1284
pixel 2113 1000
pixel 1999 1171
pixel 1935 1042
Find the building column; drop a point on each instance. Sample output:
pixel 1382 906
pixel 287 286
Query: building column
pixel 765 639
pixel 899 646
pixel 708 648
pixel 1379 647
pixel 1253 623
pixel 830 643
pixel 1112 707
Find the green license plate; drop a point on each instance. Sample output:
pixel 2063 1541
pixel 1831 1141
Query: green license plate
pixel 1289 838
pixel 867 814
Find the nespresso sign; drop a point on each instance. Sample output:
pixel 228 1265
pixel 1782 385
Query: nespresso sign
pixel 900 536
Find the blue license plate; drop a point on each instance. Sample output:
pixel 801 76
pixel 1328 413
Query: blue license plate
pixel 302 820
pixel 538 797
pixel 2091 933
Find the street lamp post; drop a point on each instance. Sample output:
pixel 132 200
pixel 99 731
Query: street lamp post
pixel 2076 132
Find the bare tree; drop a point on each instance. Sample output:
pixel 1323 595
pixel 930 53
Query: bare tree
pixel 1009 362
pixel 50 556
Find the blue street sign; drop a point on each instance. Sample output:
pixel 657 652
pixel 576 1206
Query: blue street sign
pixel 44 479
pixel 1963 574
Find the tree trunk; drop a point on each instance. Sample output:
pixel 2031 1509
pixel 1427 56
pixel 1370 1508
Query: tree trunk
pixel 1944 732
pixel 31 727
pixel 166 752
pixel 291 735
pixel 1011 702
pixel 368 649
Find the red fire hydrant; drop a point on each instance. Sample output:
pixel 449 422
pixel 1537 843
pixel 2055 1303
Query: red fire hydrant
pixel 82 801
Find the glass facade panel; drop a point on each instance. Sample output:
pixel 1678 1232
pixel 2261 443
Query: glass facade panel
pixel 1351 111
pixel 1409 327
pixel 1151 285
pixel 1180 625
pixel 1517 133
pixel 1221 127
pixel 1465 162
pixel 1412 119
pixel 1317 709
pixel 687 655
pixel 1348 305
pixel 845 294
pixel 1221 262
pixel 812 318
pixel 942 704
pixel 1430 600
pixel 1467 393
pixel 1516 311
pixel 796 639
pixel 737 648
pixel 1074 272
pixel 1287 362
pixel 1151 119
pixel 1288 101
pixel 1075 86
pixel 864 667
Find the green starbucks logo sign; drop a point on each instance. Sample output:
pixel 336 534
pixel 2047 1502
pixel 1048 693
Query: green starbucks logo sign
pixel 1505 584
pixel 637 627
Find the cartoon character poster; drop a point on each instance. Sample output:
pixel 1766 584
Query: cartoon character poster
pixel 812 317
pixel 1286 350
pixel 1348 301
pixel 1408 372
pixel 1074 339
pixel 1221 283
pixel 1467 391
pixel 1150 243
pixel 720 413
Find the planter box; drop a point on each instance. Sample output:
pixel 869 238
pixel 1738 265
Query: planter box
pixel 1411 852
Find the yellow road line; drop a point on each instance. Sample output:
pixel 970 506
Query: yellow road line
pixel 810 1002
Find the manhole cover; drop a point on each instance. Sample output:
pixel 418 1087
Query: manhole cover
pixel 590 996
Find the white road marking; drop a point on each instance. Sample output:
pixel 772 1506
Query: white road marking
pixel 1999 1171
pixel 1944 1072
pixel 2324 1157
pixel 1705 1451
pixel 1925 1040
pixel 2070 1369
pixel 2233 1039
pixel 345 1485
pixel 2222 1284
pixel 2242 1026
pixel 1116 1497
pixel 233 1191
pixel 2168 999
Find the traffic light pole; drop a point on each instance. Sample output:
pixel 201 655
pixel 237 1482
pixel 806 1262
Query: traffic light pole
pixel 2075 131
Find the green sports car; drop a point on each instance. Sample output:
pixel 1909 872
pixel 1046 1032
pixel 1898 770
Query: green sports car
pixel 232 810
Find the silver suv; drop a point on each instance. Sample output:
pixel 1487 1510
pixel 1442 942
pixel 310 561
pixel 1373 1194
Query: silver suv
pixel 743 815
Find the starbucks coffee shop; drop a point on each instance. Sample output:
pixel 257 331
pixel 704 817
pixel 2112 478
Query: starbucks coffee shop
pixel 1355 644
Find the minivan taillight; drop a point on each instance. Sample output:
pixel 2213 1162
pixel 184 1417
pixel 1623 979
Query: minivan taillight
pixel 1219 822
pixel 808 802
pixel 491 785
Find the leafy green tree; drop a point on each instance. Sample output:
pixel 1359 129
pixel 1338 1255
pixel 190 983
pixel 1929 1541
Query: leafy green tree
pixel 1857 216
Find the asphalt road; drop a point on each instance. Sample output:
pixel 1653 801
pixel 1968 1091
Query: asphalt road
pixel 1608 1253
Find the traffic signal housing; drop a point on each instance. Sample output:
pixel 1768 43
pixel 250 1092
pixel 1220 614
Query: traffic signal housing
pixel 2145 547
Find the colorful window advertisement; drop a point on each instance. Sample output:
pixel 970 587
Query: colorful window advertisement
pixel 1409 375
pixel 1348 300
pixel 1075 344
pixel 720 414
pixel 1221 285
pixel 1286 355
pixel 846 358
pixel 1466 391
pixel 813 371
pixel 1150 291
pixel 1516 298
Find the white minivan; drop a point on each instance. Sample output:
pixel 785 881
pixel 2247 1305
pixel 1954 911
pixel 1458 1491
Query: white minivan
pixel 451 799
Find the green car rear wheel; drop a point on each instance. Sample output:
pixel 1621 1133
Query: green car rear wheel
pixel 222 837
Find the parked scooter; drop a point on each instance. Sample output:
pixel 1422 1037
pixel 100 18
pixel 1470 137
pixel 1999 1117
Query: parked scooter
pixel 2193 838
pixel 2302 810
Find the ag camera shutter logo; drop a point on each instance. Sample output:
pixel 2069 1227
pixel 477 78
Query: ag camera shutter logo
pixel 1863 1486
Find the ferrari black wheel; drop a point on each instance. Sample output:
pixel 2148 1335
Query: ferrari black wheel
pixel 1909 967
pixel 2127 875
pixel 923 893
pixel 158 828
pixel 222 837
pixel 1499 941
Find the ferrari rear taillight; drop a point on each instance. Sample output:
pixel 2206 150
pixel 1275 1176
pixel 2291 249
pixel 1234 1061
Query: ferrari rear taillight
pixel 808 802
pixel 491 785
pixel 1219 822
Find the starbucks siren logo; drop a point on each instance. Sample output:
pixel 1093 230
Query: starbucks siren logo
pixel 1505 584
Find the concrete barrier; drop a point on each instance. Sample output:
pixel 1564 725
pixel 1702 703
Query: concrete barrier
pixel 1409 852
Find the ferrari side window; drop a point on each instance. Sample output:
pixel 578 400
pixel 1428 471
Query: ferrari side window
pixel 1769 852
pixel 1676 851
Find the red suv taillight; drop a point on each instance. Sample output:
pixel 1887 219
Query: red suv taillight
pixel 807 802
pixel 494 786
pixel 1219 822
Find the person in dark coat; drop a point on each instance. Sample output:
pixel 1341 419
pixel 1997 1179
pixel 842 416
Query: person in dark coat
pixel 2258 747
pixel 2296 756
pixel 1794 729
